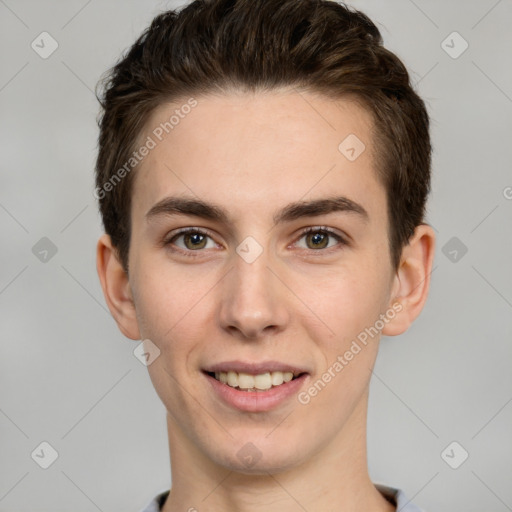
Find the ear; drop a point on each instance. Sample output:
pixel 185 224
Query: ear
pixel 412 280
pixel 116 288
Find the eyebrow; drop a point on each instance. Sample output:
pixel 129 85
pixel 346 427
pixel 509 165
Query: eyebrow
pixel 198 208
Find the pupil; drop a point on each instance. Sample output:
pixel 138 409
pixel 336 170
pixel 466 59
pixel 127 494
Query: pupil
pixel 318 239
pixel 195 239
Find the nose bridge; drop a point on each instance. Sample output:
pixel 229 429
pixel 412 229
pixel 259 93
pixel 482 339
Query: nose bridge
pixel 252 302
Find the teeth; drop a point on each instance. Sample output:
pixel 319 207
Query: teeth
pixel 261 382
pixel 277 378
pixel 232 379
pixel 245 381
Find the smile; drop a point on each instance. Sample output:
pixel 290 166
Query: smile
pixel 255 386
pixel 260 382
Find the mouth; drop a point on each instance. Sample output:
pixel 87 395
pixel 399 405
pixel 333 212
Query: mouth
pixel 255 386
pixel 260 382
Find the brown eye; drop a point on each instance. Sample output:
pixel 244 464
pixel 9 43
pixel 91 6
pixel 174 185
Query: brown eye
pixel 194 241
pixel 191 240
pixel 319 238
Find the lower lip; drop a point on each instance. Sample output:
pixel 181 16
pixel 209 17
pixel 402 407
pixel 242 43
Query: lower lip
pixel 256 401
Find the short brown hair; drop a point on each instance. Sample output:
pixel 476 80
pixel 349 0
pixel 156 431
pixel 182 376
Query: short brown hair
pixel 218 45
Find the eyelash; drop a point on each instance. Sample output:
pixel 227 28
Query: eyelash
pixel 305 232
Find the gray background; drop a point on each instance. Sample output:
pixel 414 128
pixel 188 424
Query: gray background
pixel 68 377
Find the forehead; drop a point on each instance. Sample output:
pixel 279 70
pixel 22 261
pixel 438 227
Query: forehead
pixel 252 151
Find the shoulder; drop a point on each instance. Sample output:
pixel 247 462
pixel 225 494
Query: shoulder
pixel 393 494
pixel 157 502
pixel 398 498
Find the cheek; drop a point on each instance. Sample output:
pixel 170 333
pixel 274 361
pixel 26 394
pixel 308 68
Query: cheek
pixel 168 304
pixel 167 296
pixel 174 310
pixel 345 302
pixel 350 304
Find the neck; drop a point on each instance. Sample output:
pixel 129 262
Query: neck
pixel 336 478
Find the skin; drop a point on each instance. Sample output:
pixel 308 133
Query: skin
pixel 253 154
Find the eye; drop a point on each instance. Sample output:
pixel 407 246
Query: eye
pixel 191 239
pixel 320 238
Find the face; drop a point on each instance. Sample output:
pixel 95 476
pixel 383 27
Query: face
pixel 259 252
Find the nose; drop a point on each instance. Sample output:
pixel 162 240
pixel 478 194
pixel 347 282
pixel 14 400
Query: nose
pixel 253 302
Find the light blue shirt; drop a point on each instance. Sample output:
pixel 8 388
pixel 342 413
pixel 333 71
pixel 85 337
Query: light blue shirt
pixel 392 494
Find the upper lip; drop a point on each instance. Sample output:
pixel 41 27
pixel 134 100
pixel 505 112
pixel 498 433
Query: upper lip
pixel 255 368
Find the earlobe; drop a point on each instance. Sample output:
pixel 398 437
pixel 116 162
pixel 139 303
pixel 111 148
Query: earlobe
pixel 412 280
pixel 116 288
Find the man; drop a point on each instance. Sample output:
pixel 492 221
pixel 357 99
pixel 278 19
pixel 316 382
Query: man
pixel 262 173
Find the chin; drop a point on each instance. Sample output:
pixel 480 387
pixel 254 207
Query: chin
pixel 260 456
